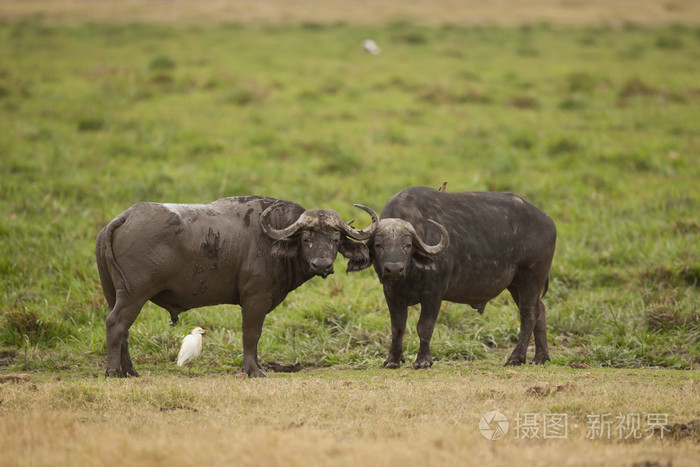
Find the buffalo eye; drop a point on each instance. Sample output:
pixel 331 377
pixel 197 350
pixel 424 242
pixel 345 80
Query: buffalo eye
pixel 378 246
pixel 306 240
pixel 406 242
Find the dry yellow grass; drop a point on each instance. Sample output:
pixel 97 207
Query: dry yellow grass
pixel 465 12
pixel 337 417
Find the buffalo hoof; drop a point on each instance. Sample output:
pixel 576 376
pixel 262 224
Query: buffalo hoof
pixel 515 360
pixel 131 373
pixel 111 373
pixel 540 359
pixel 422 364
pixel 391 365
pixel 255 372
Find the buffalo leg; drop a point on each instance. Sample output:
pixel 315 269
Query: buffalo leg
pixel 527 325
pixel 527 303
pixel 541 349
pixel 126 365
pixel 426 323
pixel 398 313
pixel 253 318
pixel 117 327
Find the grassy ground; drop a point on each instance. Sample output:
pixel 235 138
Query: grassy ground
pixel 595 125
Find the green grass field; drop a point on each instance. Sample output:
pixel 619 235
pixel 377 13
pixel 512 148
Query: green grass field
pixel 597 126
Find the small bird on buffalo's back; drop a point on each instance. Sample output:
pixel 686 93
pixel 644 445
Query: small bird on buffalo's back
pixel 191 346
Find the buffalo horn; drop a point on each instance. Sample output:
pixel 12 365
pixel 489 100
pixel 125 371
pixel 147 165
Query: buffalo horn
pixel 357 234
pixel 434 249
pixel 307 218
pixel 281 234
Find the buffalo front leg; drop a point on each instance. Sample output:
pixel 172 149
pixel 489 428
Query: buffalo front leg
pixel 426 324
pixel 254 313
pixel 398 314
pixel 541 348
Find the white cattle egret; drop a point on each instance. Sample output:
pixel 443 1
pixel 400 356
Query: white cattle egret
pixel 191 346
pixel 371 47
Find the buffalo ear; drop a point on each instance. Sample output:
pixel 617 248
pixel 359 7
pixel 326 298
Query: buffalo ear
pixel 285 249
pixel 357 253
pixel 423 261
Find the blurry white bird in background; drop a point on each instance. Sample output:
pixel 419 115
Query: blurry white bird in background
pixel 371 47
pixel 191 346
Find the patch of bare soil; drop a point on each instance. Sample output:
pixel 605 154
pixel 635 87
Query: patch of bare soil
pixel 7 356
pixel 15 378
pixel 543 388
pixel 279 368
pixel 690 430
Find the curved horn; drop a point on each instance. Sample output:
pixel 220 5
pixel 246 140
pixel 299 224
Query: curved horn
pixel 434 249
pixel 280 234
pixel 357 234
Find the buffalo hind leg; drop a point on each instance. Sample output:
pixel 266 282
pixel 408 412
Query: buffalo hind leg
pixel 541 348
pixel 117 327
pixel 398 315
pixel 126 365
pixel 426 324
pixel 527 304
pixel 254 314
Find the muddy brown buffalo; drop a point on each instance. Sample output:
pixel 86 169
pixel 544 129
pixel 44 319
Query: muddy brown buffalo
pixel 248 250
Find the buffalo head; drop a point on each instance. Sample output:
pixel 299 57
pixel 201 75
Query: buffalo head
pixel 317 236
pixel 395 247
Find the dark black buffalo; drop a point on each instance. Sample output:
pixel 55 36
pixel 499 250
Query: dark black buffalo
pixel 247 250
pixel 467 247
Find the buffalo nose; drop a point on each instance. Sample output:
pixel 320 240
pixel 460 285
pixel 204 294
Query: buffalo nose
pixel 323 265
pixel 393 269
